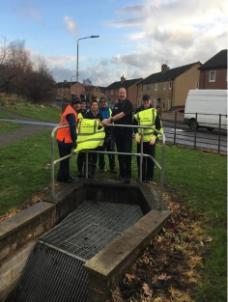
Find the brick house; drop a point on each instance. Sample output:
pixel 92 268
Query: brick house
pixel 111 91
pixel 97 91
pixel 213 73
pixel 169 87
pixel 65 90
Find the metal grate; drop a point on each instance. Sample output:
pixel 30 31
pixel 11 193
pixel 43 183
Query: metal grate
pixel 88 241
pixel 99 222
pixel 55 271
pixel 52 276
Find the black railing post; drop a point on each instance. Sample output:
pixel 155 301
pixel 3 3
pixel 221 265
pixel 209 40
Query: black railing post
pixel 195 130
pixel 175 128
pixel 219 134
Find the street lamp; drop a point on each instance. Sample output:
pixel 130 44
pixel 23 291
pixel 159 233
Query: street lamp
pixel 84 38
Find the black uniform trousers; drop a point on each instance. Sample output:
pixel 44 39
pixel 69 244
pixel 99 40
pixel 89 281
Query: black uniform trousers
pixel 92 162
pixel 124 144
pixel 148 164
pixel 108 146
pixel 81 163
pixel 64 167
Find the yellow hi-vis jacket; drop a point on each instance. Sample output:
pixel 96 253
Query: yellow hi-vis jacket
pixel 147 117
pixel 90 135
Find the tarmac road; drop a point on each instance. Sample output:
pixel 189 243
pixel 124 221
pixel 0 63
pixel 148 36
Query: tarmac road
pixel 202 139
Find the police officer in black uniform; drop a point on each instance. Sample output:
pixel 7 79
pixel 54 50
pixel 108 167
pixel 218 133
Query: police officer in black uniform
pixel 122 114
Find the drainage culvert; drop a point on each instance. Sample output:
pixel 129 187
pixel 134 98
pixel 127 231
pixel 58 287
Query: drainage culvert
pixel 55 269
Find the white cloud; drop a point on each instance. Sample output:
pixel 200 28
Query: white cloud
pixel 70 25
pixel 174 31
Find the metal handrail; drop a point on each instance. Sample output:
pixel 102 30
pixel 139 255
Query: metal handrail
pixel 141 155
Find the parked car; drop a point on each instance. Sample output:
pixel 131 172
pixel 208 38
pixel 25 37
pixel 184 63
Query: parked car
pixel 203 109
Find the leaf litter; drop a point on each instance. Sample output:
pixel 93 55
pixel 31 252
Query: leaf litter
pixel 168 268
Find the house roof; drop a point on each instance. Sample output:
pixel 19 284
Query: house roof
pixel 65 84
pixel 217 61
pixel 125 84
pixel 168 75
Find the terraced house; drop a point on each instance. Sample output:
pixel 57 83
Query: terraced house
pixel 213 73
pixel 65 90
pixel 169 87
pixel 111 91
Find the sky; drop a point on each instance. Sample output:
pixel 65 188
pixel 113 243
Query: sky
pixel 136 36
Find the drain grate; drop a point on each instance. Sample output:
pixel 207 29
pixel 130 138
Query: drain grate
pixel 110 220
pixel 88 241
pixel 52 276
pixel 55 271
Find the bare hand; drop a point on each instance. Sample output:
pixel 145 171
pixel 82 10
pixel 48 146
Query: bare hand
pixel 106 121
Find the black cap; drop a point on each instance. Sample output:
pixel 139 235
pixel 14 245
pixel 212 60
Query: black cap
pixel 146 97
pixel 75 100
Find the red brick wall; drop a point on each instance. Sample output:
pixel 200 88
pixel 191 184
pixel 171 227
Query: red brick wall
pixel 220 83
pixel 77 89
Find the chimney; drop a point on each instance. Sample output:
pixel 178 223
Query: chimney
pixel 164 67
pixel 122 79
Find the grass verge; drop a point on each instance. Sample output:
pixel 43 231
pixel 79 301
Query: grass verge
pixel 31 111
pixel 199 179
pixel 8 127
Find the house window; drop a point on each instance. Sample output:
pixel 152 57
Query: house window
pixel 170 85
pixel 212 76
pixel 164 86
pixel 112 92
pixel 155 86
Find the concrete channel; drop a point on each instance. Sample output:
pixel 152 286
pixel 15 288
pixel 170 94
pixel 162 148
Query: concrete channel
pixel 76 247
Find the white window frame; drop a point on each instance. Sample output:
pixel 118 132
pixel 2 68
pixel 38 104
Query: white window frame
pixel 170 85
pixel 210 77
pixel 156 86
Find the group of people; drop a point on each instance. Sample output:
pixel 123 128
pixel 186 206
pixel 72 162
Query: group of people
pixel 89 128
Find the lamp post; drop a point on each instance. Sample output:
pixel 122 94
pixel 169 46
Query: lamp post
pixel 83 38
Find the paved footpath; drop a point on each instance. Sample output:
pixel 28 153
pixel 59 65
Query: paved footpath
pixel 27 129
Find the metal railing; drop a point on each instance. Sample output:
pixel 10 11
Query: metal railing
pixel 196 136
pixel 141 155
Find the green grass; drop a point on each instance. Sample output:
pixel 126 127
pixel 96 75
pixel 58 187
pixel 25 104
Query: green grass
pixel 31 111
pixel 23 170
pixel 8 127
pixel 197 178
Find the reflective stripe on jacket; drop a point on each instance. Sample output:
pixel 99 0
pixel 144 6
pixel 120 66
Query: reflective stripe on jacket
pixel 147 117
pixel 89 134
pixel 63 134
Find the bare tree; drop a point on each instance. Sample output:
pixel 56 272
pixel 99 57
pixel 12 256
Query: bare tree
pixel 19 75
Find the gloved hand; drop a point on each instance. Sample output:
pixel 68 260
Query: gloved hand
pixel 152 141
pixel 137 138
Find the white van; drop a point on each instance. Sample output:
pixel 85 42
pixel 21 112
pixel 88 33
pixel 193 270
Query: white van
pixel 208 104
